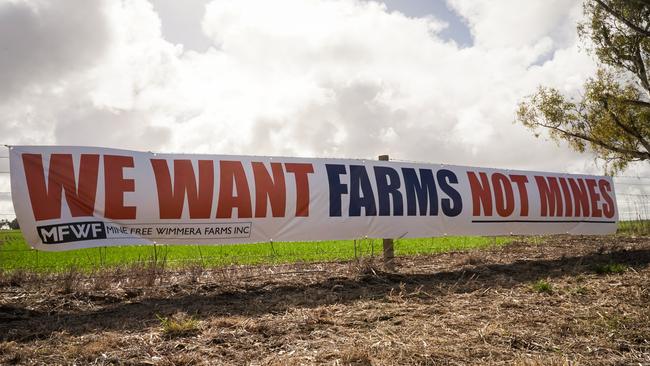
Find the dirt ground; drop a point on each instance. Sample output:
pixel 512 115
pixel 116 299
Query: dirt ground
pixel 552 301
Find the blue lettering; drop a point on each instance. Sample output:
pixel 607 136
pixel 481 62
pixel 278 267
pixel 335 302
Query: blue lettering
pixel 361 194
pixel 336 188
pixel 444 178
pixel 386 190
pixel 418 192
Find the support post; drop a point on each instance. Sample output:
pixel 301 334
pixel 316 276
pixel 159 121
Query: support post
pixel 389 252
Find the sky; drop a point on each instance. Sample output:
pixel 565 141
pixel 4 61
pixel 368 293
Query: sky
pixel 421 80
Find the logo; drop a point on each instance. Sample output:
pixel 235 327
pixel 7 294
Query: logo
pixel 71 232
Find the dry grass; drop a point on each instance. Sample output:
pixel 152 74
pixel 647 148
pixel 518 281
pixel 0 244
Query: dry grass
pixel 458 308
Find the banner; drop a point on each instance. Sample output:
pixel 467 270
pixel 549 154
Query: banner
pixel 80 197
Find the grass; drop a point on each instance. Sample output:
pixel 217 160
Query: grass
pixel 634 227
pixel 426 315
pixel 179 325
pixel 580 290
pixel 611 268
pixel 543 286
pixel 15 254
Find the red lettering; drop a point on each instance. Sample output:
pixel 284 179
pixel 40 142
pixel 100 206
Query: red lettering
pixel 481 194
pixel 594 197
pixel 521 181
pixel 233 172
pixel 505 204
pixel 46 200
pixel 300 172
pixel 580 197
pixel 608 207
pixel 549 196
pixel 274 190
pixel 115 186
pixel 171 201
pixel 567 197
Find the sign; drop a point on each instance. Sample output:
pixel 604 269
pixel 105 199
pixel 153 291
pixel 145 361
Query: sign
pixel 80 197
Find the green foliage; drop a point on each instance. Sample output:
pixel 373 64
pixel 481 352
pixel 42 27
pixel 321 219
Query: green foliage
pixel 612 117
pixel 610 268
pixel 619 31
pixel 543 286
pixel 179 325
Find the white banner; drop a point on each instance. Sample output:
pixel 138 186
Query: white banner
pixel 80 197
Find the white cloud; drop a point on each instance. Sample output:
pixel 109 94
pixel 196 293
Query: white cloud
pixel 44 42
pixel 515 23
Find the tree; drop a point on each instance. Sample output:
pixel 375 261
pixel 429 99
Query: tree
pixel 612 117
pixel 13 224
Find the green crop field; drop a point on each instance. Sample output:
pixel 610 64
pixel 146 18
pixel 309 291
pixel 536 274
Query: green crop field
pixel 634 227
pixel 16 254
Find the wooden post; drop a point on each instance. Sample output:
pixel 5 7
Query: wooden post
pixel 389 252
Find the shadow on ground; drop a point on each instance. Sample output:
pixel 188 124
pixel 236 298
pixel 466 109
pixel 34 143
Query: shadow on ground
pixel 106 313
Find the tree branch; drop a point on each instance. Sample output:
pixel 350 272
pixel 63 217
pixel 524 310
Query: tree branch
pixel 628 129
pixel 638 154
pixel 620 57
pixel 638 103
pixel 620 17
pixel 642 74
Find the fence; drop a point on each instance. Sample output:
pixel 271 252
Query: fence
pixel 14 253
pixel 633 198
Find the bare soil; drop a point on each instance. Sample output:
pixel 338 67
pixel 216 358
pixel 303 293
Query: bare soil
pixel 534 302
